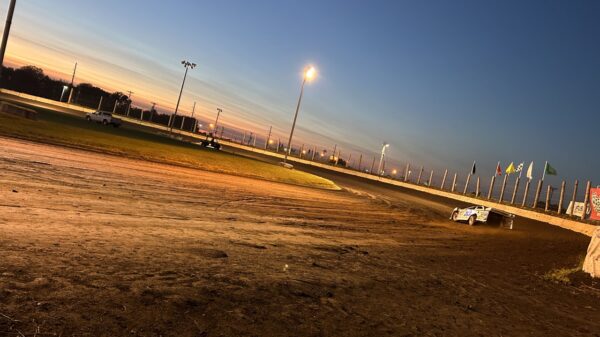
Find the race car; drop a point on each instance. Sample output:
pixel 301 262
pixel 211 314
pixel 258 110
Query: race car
pixel 475 214
pixel 210 142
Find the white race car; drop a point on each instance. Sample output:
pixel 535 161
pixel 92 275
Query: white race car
pixel 475 214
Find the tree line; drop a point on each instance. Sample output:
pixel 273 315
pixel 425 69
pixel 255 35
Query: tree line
pixel 32 80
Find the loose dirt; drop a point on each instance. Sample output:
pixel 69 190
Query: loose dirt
pixel 97 245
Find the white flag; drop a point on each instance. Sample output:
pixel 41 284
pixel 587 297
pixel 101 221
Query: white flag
pixel 530 171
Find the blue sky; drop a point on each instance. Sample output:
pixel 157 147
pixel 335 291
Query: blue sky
pixel 445 82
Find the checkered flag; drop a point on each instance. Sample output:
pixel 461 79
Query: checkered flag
pixel 520 169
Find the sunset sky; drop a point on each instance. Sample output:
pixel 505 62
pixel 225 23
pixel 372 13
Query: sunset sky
pixel 445 82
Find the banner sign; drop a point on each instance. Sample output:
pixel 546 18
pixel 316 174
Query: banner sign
pixel 595 203
pixel 578 209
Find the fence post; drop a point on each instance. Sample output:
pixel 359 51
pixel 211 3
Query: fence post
pixel 562 197
pixel 115 107
pixel 430 179
pixel 503 189
pixel 314 152
pixel 538 192
pixel 467 184
pixel 586 199
pixel 359 162
pixel 526 192
pixel 454 183
pixel 514 195
pixel 182 121
pixel 491 190
pixel 548 191
pixel 477 188
pixel 406 172
pixel 100 104
pixel 444 179
pixel 268 137
pixel 372 165
pixel 420 174
pixel 574 197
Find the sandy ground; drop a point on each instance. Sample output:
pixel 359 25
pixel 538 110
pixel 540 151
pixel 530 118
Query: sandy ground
pixel 96 245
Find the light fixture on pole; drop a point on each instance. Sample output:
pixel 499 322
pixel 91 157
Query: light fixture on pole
pixel 187 66
pixel 384 147
pixel 309 74
pixel 219 110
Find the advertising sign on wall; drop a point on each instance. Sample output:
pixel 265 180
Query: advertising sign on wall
pixel 595 203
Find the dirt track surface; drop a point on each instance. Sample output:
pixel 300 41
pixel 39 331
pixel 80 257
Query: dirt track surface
pixel 95 245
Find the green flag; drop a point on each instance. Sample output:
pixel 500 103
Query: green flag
pixel 551 171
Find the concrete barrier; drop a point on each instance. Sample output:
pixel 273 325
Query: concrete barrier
pixel 17 110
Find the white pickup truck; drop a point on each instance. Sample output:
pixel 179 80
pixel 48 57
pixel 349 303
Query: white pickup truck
pixel 475 214
pixel 106 118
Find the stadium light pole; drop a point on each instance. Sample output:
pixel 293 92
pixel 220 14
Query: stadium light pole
pixel 187 66
pixel 9 16
pixel 309 74
pixel 219 110
pixel 385 146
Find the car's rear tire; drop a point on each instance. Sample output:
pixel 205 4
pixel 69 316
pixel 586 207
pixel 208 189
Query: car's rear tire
pixel 454 216
pixel 472 220
pixel 104 122
pixel 88 118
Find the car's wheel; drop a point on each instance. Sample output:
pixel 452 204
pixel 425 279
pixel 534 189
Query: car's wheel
pixel 88 118
pixel 104 122
pixel 217 146
pixel 454 216
pixel 472 220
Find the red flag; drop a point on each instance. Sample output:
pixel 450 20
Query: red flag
pixel 498 170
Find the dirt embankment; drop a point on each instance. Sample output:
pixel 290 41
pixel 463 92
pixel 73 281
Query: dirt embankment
pixel 96 245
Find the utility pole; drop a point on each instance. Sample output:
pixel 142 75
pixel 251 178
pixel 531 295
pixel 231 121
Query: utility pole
pixel 268 137
pixel 71 86
pixel 195 126
pixel 129 105
pixel 9 16
pixel 152 111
